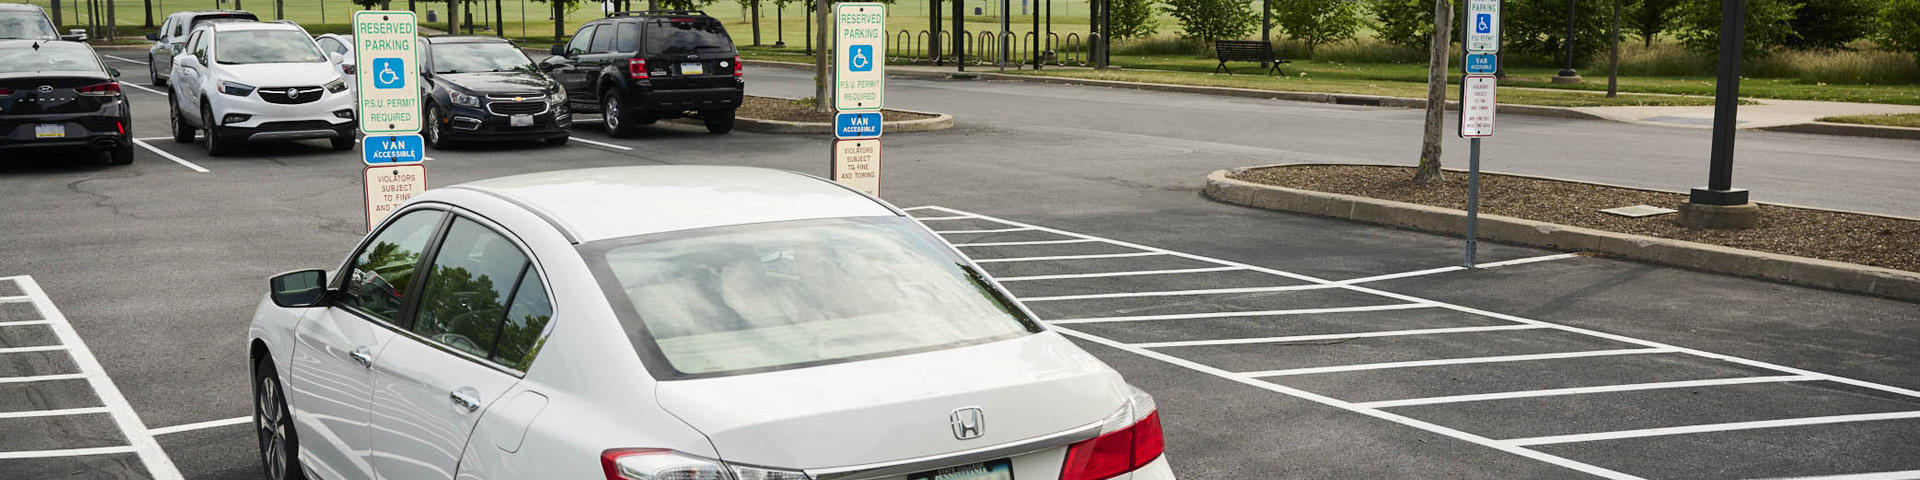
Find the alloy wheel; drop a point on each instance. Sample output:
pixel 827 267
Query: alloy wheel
pixel 610 110
pixel 270 419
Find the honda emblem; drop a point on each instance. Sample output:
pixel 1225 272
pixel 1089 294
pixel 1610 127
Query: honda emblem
pixel 968 423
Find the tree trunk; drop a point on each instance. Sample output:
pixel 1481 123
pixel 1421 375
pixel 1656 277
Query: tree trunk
pixel 113 27
pixel 1613 59
pixel 559 22
pixel 148 5
pixel 1429 170
pixel 822 84
pixel 756 22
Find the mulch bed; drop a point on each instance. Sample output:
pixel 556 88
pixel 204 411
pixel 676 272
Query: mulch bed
pixel 769 108
pixel 1842 237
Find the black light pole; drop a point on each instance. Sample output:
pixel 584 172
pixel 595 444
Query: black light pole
pixel 780 25
pixel 1720 205
pixel 1568 74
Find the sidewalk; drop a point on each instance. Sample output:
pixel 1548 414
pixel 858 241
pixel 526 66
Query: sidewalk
pixel 1768 113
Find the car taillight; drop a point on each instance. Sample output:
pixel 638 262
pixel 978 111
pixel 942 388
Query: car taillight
pixel 739 69
pixel 104 89
pixel 5 92
pixel 1131 439
pixel 660 463
pixel 637 68
pixel 346 68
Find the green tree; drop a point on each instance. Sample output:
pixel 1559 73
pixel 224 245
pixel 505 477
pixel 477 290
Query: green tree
pixel 559 10
pixel 1209 20
pixel 1133 19
pixel 1407 23
pixel 1832 23
pixel 1649 18
pixel 1769 25
pixel 1316 22
pixel 1539 28
pixel 1900 27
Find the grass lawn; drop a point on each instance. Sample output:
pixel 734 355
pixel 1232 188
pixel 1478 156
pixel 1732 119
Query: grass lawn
pixel 1910 120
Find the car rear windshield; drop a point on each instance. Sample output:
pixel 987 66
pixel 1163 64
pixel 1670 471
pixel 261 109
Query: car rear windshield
pixel 48 58
pixel 478 57
pixel 244 47
pixel 686 36
pixel 25 25
pixel 791 294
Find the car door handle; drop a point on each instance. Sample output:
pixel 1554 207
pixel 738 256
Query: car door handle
pixel 362 356
pixel 463 400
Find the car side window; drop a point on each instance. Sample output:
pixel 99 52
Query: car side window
pixel 603 39
pixel 582 40
pixel 381 272
pixel 468 288
pixel 527 316
pixel 629 38
pixel 166 29
pixel 198 45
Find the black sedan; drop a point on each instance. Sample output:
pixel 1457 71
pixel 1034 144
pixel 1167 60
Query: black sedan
pixel 58 96
pixel 485 89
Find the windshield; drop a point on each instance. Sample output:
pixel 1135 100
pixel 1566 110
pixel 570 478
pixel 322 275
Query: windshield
pixel 26 25
pixel 685 35
pixel 48 58
pixel 479 57
pixel 266 46
pixel 791 294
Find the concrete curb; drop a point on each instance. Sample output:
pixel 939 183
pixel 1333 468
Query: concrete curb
pixel 940 121
pixel 1849 129
pixel 1336 98
pixel 1804 271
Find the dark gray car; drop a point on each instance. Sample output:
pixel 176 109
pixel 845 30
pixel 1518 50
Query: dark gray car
pixel 172 38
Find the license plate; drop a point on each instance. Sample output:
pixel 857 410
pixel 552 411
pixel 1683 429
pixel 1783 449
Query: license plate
pixel 693 69
pixel 50 130
pixel 520 121
pixel 1001 469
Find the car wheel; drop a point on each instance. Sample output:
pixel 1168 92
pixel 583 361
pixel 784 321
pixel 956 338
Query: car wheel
pixel 619 122
pixel 279 446
pixel 435 137
pixel 718 121
pixel 216 146
pixel 153 73
pixel 182 132
pixel 122 155
pixel 558 140
pixel 341 144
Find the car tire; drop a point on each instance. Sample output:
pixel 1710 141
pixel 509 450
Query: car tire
pixel 273 424
pixel 153 73
pixel 341 144
pixel 558 140
pixel 718 121
pixel 182 132
pixel 216 146
pixel 121 155
pixel 619 122
pixel 436 137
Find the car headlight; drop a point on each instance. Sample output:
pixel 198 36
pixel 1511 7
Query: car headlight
pixel 464 100
pixel 557 98
pixel 236 89
pixel 337 86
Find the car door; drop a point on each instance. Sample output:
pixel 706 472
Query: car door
pixel 187 72
pixel 570 70
pixel 330 382
pixel 600 55
pixel 161 55
pixel 432 384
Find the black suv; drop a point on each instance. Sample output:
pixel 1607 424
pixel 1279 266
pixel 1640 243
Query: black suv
pixel 639 67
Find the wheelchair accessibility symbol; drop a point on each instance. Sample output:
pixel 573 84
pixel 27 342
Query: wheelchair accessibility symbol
pixel 386 73
pixel 860 58
pixel 1483 23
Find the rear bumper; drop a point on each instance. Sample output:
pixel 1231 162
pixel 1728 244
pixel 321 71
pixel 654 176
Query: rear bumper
pixel 1158 469
pixel 80 131
pixel 722 98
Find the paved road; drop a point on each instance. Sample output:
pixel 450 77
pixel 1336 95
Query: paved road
pixel 1269 372
pixel 1168 137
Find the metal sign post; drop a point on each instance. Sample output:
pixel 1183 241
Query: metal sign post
pixel 859 92
pixel 388 110
pixel 1478 102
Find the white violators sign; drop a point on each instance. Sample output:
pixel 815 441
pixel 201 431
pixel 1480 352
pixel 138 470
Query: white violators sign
pixel 389 186
pixel 1483 26
pixel 1478 94
pixel 856 164
pixel 860 70
pixel 389 69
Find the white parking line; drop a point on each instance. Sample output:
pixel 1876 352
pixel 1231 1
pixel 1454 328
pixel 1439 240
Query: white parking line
pixel 1716 427
pixel 148 90
pixel 1176 293
pixel 1432 271
pixel 955 217
pixel 997 230
pixel 200 425
pixel 39 348
pixel 123 59
pixel 1259 313
pixel 15 299
pixel 1905 475
pixel 602 144
pixel 1068 257
pixel 1117 274
pixel 1334 336
pixel 54 413
pixel 22 323
pixel 1458 361
pixel 170 156
pixel 42 378
pixel 158 464
pixel 1034 242
pixel 1632 387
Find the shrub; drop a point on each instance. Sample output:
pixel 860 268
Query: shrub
pixel 1649 18
pixel 1832 23
pixel 1407 23
pixel 1769 25
pixel 1900 27
pixel 1209 20
pixel 1316 22
pixel 1133 19
pixel 1159 45
pixel 1837 66
pixel 1539 27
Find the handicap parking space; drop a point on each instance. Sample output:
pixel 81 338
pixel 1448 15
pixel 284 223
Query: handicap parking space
pixel 1533 389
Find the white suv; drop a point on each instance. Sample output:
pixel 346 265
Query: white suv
pixel 257 82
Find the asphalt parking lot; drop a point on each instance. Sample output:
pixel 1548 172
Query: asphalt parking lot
pixel 1278 346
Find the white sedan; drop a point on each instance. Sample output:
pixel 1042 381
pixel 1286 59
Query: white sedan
pixel 675 323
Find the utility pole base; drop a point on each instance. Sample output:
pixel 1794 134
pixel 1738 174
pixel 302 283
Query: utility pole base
pixel 1568 78
pixel 1719 217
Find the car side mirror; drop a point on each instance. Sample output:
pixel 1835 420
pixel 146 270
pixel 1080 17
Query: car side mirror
pixel 299 288
pixel 113 72
pixel 558 50
pixel 336 58
pixel 154 36
pixel 74 37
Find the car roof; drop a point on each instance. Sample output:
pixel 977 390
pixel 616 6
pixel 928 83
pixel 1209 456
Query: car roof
pixel 20 7
pixel 12 43
pixel 614 202
pixel 465 39
pixel 250 25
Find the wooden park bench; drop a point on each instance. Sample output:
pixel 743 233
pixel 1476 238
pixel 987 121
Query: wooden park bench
pixel 1246 51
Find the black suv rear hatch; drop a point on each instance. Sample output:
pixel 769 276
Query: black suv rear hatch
pixel 688 52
